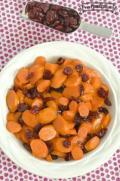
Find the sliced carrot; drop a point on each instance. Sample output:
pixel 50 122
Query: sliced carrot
pixel 39 148
pixel 97 102
pixel 56 95
pixel 47 115
pixel 73 80
pixel 58 79
pixel 76 152
pixel 86 97
pixel 43 85
pixel 47 133
pixel 63 101
pixel 29 119
pixel 58 153
pixel 68 115
pixel 106 121
pixel 52 104
pixel 73 106
pixel 13 127
pixel 28 101
pixel 89 105
pixel 51 67
pixel 76 140
pixel 12 100
pixel 49 158
pixel 18 83
pixel 71 92
pixel 40 60
pixel 11 117
pixel 22 75
pixel 59 145
pixel 96 124
pixel 37 102
pixel 92 143
pixel 83 109
pixel 20 96
pixel 88 88
pixel 84 129
pixel 96 82
pixel 36 73
pixel 62 126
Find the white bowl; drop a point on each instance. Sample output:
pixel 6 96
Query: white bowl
pixel 14 149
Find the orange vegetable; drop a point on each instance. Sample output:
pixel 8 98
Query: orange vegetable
pixel 106 121
pixel 51 67
pixel 35 73
pixel 47 133
pixel 43 85
pixel 92 143
pixel 29 119
pixel 77 152
pixel 59 145
pixel 12 100
pixel 83 109
pixel 13 127
pixel 40 60
pixel 71 91
pixel 73 106
pixel 63 101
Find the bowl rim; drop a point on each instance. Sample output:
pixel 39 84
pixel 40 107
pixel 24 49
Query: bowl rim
pixel 13 61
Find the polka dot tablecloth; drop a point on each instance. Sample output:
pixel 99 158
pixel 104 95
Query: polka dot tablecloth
pixel 17 34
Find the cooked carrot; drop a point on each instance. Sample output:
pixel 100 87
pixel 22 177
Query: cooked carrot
pixel 106 121
pixel 36 73
pixel 12 100
pixel 11 117
pixel 92 143
pixel 96 82
pixel 47 115
pixel 73 80
pixel 59 145
pixel 105 87
pixel 29 119
pixel 97 102
pixel 84 129
pixel 28 101
pixel 76 140
pixel 86 97
pixel 22 75
pixel 18 83
pixel 43 85
pixel 63 101
pixel 96 124
pixel 47 133
pixel 58 153
pixel 40 60
pixel 68 115
pixel 73 106
pixel 28 86
pixel 49 158
pixel 62 126
pixel 56 94
pixel 20 96
pixel 13 127
pixel 71 92
pixel 58 79
pixel 77 152
pixel 39 148
pixel 37 102
pixel 52 104
pixel 83 109
pixel 89 105
pixel 88 88
pixel 51 67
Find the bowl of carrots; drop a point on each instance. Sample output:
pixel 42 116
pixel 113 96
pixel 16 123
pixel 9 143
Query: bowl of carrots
pixel 59 109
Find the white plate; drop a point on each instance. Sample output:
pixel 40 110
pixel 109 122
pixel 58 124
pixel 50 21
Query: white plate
pixel 110 143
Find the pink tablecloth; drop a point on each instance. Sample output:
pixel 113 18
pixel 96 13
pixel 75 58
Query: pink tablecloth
pixel 17 34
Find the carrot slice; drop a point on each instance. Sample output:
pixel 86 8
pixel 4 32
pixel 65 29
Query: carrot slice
pixel 28 101
pixel 12 100
pixel 88 88
pixel 39 148
pixel 13 127
pixel 47 115
pixel 29 119
pixel 83 109
pixel 92 143
pixel 43 85
pixel 63 101
pixel 86 97
pixel 13 116
pixel 76 152
pixel 52 104
pixel 71 91
pixel 47 133
pixel 97 102
pixel 51 67
pixel 58 79
pixel 59 145
pixel 22 75
pixel 73 106
pixel 84 129
pixel 37 102
pixel 20 96
pixel 73 80
pixel 56 95
pixel 36 73
pixel 96 82
pixel 96 124
pixel 62 126
pixel 58 153
pixel 40 60
pixel 106 121
pixel 68 115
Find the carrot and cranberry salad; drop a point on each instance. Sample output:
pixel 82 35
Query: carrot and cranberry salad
pixel 58 110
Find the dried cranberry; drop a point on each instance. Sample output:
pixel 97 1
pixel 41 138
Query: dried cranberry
pixel 27 147
pixel 67 71
pixel 81 89
pixel 102 132
pixel 102 93
pixel 68 156
pixel 50 17
pixel 79 68
pixel 107 101
pixel 50 146
pixel 29 134
pixel 73 22
pixel 77 99
pixel 60 89
pixel 37 128
pixel 47 75
pixel 22 107
pixel 84 149
pixel 59 27
pixel 32 93
pixel 44 7
pixel 63 13
pixel 92 115
pixel 103 110
pixel 54 157
pixel 60 61
pixel 84 77
pixel 30 75
pixel 66 143
pixel 77 119
pixel 35 110
pixel 20 121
